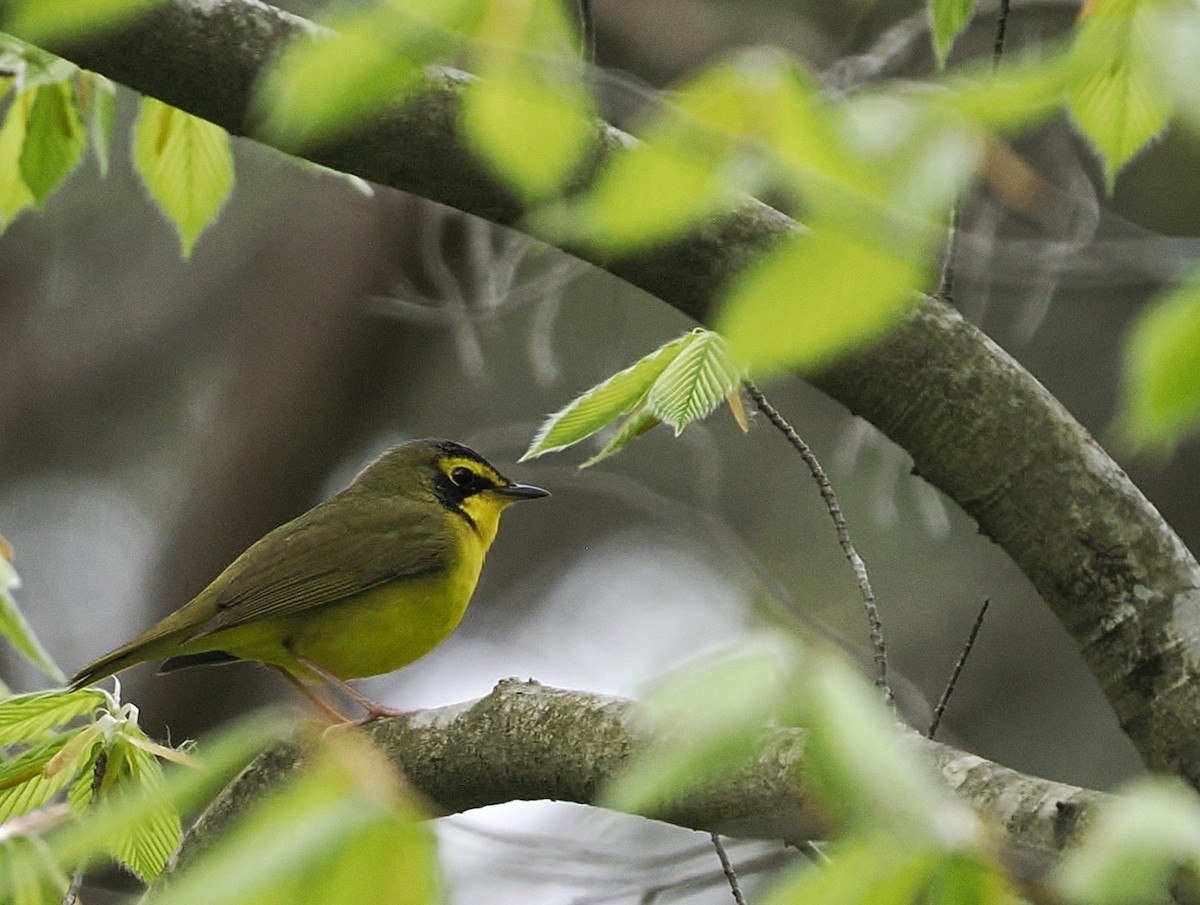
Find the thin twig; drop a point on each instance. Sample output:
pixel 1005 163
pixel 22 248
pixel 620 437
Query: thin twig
pixel 587 28
pixel 727 866
pixel 958 668
pixel 843 534
pixel 1001 30
pixel 946 282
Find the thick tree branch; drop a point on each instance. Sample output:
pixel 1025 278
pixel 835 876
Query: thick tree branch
pixel 977 425
pixel 525 741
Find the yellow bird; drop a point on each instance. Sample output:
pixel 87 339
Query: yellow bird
pixel 362 584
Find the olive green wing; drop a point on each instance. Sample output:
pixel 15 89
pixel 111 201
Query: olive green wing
pixel 326 556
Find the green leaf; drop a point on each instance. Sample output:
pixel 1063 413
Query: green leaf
pixel 814 297
pixel 28 871
pixel 708 719
pixel 695 382
pixel 1161 397
pixel 186 164
pixel 13 626
pixel 28 716
pixel 59 20
pixel 25 784
pixel 636 423
pixel 1130 853
pixel 368 62
pixel 14 193
pixel 98 112
pixel 339 832
pixel 530 113
pixel 54 140
pixel 603 403
pixel 144 847
pixel 949 17
pixel 874 870
pixel 1116 92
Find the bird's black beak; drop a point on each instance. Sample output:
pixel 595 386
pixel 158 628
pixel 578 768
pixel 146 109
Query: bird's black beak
pixel 520 491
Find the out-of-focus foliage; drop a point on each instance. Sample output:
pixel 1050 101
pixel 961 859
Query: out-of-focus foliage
pixel 948 18
pixel 40 20
pixel 678 383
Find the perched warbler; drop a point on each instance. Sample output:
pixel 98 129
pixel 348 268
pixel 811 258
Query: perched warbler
pixel 362 584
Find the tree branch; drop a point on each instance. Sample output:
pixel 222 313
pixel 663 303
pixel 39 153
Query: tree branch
pixel 525 741
pixel 976 424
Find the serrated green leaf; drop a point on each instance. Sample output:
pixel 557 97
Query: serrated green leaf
pixel 144 847
pixel 816 296
pixel 24 783
pixel 14 193
pixel 186 164
pixel 594 409
pixel 532 86
pixel 38 67
pixel 28 716
pixel 54 140
pixel 1130 852
pixel 1161 394
pixel 948 17
pixel 98 112
pixel 636 423
pixel 695 382
pixel 1115 90
pixel 17 631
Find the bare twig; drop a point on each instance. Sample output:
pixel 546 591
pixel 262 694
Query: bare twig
pixel 727 867
pixel 843 534
pixel 1001 30
pixel 958 668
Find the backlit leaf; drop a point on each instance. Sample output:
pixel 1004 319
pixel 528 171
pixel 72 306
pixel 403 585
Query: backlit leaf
pixel 1116 92
pixel 98 113
pixel 17 631
pixel 1161 398
pixel 14 193
pixel 28 716
pixel 54 139
pixel 146 846
pixel 695 382
pixel 186 164
pixel 814 297
pixel 602 404
pixel 949 17
pixel 24 783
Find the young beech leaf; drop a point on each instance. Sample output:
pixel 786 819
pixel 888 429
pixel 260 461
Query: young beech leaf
pixel 27 716
pixel 602 404
pixel 17 631
pixel 186 164
pixel 144 847
pixel 949 17
pixel 14 193
pixel 54 139
pixel 1116 92
pixel 695 381
pixel 24 782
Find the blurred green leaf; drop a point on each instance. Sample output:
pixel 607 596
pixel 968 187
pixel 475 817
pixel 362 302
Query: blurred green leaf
pixel 41 21
pixel 35 66
pixel 530 113
pixel 1129 854
pixel 708 719
pixel 29 872
pixel 814 296
pixel 367 62
pixel 14 193
pixel 872 870
pixel 949 17
pixel 54 140
pixel 695 382
pixel 603 403
pixel 1161 397
pixel 341 831
pixel 1115 91
pixel 29 716
pixel 13 625
pixel 186 164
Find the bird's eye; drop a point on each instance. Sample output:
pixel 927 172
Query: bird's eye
pixel 462 477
